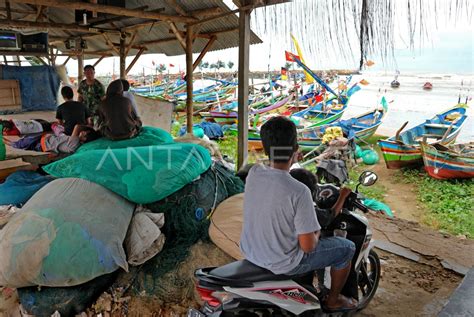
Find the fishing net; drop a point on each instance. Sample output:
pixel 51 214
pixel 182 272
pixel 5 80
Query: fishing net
pixel 70 232
pixel 185 223
pixel 148 136
pixel 142 174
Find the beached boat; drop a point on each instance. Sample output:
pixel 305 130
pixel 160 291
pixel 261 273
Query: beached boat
pixel 320 114
pixel 446 162
pixel 428 86
pixel 359 128
pixel 403 149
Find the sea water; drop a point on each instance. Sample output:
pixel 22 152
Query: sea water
pixel 411 102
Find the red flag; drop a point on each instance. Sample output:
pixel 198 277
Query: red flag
pixel 171 65
pixel 290 57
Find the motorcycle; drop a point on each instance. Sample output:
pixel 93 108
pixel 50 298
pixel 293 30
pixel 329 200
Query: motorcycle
pixel 244 289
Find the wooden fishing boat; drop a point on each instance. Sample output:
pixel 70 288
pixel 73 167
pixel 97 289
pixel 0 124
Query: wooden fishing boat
pixel 320 114
pixel 428 86
pixel 403 150
pixel 395 84
pixel 446 162
pixel 359 128
pixel 260 108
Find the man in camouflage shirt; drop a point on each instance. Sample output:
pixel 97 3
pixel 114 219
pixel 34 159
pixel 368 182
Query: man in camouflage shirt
pixel 91 91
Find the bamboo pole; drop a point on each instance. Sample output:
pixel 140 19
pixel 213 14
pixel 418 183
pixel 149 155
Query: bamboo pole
pixel 80 68
pixel 189 79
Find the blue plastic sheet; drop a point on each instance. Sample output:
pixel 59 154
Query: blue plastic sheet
pixel 38 84
pixel 20 186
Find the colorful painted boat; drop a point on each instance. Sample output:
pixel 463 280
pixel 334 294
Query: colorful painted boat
pixel 403 150
pixel 320 114
pixel 359 128
pixel 446 162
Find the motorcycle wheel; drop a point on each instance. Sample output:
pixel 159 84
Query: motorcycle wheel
pixel 368 279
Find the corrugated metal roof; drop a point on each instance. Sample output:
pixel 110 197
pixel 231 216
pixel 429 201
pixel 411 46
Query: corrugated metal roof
pixel 148 36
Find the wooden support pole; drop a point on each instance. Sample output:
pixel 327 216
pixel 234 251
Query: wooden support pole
pixel 50 25
pixel 204 51
pixel 18 60
pixel 123 56
pixel 243 97
pixel 67 60
pixel 98 61
pixel 9 11
pixel 130 44
pixel 140 52
pixel 77 5
pixel 80 68
pixel 178 35
pixel 189 79
pixel 110 44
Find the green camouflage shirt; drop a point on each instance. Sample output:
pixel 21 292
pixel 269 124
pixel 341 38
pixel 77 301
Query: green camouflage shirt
pixel 92 94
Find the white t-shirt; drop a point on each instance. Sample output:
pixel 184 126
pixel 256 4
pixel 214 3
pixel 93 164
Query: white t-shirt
pixel 277 208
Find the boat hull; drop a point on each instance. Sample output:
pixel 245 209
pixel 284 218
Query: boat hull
pixel 442 165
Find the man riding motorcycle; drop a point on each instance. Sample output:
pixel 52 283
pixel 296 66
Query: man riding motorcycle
pixel 280 230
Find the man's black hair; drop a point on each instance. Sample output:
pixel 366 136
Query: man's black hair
pixel 279 139
pixel 67 92
pixel 306 177
pixel 89 67
pixel 125 84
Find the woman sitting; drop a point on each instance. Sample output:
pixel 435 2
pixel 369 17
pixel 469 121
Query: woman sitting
pixel 117 120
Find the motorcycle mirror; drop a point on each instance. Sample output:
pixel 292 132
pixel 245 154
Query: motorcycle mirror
pixel 368 178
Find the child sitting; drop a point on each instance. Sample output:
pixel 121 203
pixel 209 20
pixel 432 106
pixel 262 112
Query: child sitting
pixel 328 200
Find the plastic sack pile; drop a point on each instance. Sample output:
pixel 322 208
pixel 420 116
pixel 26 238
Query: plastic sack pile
pixel 68 233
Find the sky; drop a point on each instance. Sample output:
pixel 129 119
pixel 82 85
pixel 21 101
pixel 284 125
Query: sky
pixel 449 49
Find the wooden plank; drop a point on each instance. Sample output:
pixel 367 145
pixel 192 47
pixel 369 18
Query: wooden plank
pixel 76 5
pixel 10 97
pixel 137 56
pixel 10 166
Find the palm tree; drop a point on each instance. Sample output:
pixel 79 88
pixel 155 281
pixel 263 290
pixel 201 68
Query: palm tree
pixel 230 64
pixel 215 69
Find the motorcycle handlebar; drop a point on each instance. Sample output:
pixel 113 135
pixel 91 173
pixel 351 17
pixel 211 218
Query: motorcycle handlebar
pixel 354 200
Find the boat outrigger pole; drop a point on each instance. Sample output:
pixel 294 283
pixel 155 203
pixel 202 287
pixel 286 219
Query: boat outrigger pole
pixel 316 77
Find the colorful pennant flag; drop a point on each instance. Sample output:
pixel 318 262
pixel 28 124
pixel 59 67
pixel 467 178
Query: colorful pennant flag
pixel 309 79
pixel 290 57
pixel 171 65
pixel 384 103
pixel 369 63
pixel 284 73
pixel 364 82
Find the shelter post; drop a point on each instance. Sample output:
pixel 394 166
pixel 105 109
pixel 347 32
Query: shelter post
pixel 189 79
pixel 123 56
pixel 243 98
pixel 80 66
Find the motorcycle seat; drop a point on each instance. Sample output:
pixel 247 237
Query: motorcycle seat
pixel 245 271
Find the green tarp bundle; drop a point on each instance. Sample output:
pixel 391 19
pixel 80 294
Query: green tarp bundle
pixel 145 169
